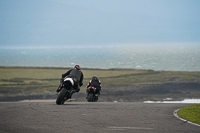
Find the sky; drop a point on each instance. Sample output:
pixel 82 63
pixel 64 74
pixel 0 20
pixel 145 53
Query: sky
pixel 98 22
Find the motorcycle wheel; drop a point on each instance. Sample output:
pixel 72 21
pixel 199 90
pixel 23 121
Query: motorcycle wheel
pixel 90 98
pixel 96 98
pixel 61 96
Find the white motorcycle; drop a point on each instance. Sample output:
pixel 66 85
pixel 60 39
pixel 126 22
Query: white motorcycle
pixel 66 90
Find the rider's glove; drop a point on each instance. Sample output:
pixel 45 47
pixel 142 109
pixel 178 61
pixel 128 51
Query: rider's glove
pixel 58 90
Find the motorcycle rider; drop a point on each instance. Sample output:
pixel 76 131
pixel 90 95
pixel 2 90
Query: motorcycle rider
pixel 95 82
pixel 77 75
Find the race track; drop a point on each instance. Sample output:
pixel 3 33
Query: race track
pixel 99 117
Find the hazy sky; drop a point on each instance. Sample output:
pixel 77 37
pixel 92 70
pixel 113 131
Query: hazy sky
pixel 83 22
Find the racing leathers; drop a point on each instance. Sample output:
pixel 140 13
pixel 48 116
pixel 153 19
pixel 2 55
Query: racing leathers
pixel 77 77
pixel 95 83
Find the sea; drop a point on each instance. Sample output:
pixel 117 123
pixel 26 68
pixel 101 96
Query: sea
pixel 151 57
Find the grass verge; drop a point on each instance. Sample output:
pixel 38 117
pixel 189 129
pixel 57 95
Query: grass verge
pixel 30 80
pixel 191 113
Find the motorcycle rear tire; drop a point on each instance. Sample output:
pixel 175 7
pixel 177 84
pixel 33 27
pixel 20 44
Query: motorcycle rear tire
pixel 61 96
pixel 90 98
pixel 96 98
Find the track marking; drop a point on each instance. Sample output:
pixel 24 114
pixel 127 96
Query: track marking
pixel 88 114
pixel 125 128
pixel 186 121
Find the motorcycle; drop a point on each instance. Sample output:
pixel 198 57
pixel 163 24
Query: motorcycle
pixel 66 90
pixel 92 96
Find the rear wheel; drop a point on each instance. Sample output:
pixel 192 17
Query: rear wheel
pixel 90 98
pixel 96 98
pixel 61 96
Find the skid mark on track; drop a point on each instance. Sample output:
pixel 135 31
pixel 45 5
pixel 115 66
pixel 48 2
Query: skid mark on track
pixel 36 107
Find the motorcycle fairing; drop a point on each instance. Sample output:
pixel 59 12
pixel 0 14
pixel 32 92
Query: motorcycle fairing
pixel 70 80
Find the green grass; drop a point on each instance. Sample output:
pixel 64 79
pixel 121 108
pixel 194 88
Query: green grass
pixel 24 80
pixel 191 113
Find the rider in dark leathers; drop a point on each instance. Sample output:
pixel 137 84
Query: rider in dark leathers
pixel 77 75
pixel 95 82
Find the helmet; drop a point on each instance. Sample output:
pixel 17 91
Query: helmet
pixel 94 78
pixel 77 67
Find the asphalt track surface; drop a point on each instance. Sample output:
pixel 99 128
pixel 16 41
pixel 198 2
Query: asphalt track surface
pixel 98 117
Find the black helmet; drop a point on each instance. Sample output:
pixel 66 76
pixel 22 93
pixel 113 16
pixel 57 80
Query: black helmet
pixel 94 78
pixel 77 67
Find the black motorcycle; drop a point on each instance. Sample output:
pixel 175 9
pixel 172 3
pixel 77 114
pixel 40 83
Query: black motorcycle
pixel 66 90
pixel 92 96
